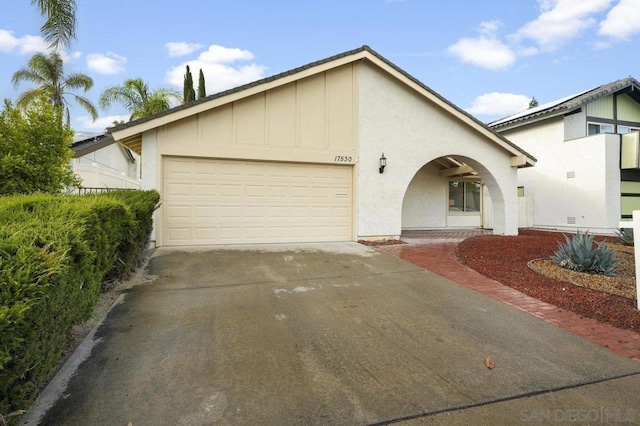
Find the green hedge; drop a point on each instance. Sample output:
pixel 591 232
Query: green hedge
pixel 135 238
pixel 55 252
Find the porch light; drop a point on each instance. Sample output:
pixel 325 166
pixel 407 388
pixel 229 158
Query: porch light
pixel 383 163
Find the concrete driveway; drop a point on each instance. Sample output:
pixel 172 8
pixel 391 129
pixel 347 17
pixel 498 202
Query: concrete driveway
pixel 326 334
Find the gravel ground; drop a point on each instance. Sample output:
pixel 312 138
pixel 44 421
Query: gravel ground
pixel 512 260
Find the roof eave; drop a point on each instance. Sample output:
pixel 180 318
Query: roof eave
pixel 524 121
pixel 130 133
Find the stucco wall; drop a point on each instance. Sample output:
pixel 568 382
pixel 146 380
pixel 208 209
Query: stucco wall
pixel 577 179
pixel 411 132
pixel 424 204
pixel 575 126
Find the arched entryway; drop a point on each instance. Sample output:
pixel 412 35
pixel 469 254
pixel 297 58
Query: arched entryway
pixel 451 192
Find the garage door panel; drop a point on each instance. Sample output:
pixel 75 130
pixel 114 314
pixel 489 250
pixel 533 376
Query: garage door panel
pixel 205 233
pixel 299 191
pixel 205 189
pixel 341 213
pixel 255 191
pixel 205 212
pixel 278 191
pixel 179 212
pixel 176 189
pixel 231 202
pixel 301 212
pixel 180 234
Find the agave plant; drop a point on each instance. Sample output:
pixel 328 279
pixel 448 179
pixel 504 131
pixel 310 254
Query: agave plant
pixel 625 236
pixel 580 253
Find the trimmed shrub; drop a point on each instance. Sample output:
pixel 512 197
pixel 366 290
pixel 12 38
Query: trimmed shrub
pixel 54 253
pixel 141 204
pixel 580 253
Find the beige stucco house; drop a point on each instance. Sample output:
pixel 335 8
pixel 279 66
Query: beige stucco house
pixel 588 171
pixel 297 157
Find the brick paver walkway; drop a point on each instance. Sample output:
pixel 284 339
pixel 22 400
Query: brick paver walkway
pixel 436 251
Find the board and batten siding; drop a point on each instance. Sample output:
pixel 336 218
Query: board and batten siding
pixel 628 109
pixel 601 108
pixel 309 120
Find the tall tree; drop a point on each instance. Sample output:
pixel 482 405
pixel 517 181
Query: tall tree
pixel 533 103
pixel 202 91
pixel 47 73
pixel 135 96
pixel 188 94
pixel 60 25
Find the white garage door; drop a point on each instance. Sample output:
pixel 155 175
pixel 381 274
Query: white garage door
pixel 208 201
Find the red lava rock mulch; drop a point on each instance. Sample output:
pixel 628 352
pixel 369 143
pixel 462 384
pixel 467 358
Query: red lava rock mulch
pixel 504 259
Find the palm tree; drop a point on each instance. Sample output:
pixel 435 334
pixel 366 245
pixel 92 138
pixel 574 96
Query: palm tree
pixel 46 71
pixel 60 26
pixel 136 97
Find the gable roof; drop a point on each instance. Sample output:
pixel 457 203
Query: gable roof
pixel 130 134
pixel 90 144
pixel 568 104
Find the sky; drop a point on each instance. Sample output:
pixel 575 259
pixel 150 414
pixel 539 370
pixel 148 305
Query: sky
pixel 487 57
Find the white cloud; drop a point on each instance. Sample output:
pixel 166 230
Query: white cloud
pixel 489 27
pixel 217 64
pixel 85 122
pixel 109 63
pixel 622 21
pixel 8 41
pixel 484 52
pixel 497 104
pixel 560 22
pixel 70 57
pixel 29 44
pixel 181 48
pixel 528 51
pixel 24 45
pixel 601 45
pixel 223 55
pixel 32 44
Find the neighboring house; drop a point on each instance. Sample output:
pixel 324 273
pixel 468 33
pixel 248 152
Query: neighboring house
pixel 101 162
pixel 581 181
pixel 299 156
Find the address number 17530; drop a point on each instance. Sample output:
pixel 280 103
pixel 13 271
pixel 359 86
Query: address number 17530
pixel 343 159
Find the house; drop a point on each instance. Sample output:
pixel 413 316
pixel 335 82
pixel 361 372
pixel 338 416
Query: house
pixel 101 162
pixel 346 148
pixel 583 178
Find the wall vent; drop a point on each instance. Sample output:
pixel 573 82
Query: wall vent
pixel 571 175
pixel 571 221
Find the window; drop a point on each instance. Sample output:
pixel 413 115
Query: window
pixel 464 196
pixel 521 191
pixel 594 129
pixel 626 129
